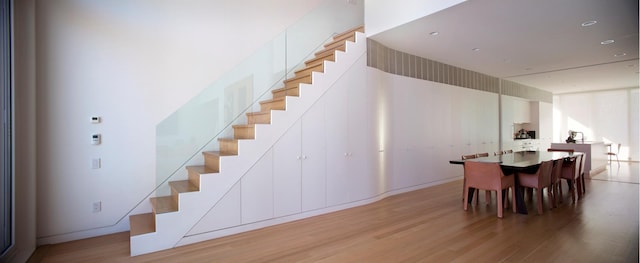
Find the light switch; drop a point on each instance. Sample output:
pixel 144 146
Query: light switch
pixel 95 163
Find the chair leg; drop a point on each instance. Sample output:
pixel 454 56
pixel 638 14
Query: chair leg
pixel 513 199
pixel 539 194
pixel 499 194
pixel 579 188
pixel 552 203
pixel 572 189
pixel 465 197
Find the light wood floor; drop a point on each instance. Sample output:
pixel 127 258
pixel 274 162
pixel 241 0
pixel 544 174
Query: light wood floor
pixel 427 225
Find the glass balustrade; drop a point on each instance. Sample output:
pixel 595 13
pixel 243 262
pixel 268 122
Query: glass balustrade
pixel 197 125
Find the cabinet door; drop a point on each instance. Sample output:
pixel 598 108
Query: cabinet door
pixel 256 193
pixel 314 159
pixel 362 182
pixel 287 169
pixel 336 143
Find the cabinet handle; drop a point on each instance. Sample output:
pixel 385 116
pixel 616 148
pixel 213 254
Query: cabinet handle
pixel 304 157
pixel 298 157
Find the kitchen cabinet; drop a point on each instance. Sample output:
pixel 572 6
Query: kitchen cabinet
pixel 299 166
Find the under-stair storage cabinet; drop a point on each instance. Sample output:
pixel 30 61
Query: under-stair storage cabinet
pixel 349 140
pixel 300 165
pixel 256 199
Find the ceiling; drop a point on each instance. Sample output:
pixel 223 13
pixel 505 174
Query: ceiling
pixel 539 43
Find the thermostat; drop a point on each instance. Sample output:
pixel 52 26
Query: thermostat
pixel 95 139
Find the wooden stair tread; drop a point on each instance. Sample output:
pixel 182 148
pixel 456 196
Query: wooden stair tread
pixel 259 112
pixel 284 89
pixel 216 153
pixel 320 59
pixel 183 186
pixel 142 224
pixel 350 31
pixel 271 100
pixel 201 169
pixel 227 140
pixel 297 77
pixel 163 204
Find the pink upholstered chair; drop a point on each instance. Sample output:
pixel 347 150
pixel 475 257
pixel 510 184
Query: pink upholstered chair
pixel 488 176
pixel 571 172
pixel 556 173
pixel 539 180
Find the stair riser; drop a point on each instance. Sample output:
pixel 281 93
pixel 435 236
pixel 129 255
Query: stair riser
pixel 229 147
pixel 212 162
pixel 294 92
pixel 194 178
pixel 295 83
pixel 315 68
pixel 259 119
pixel 320 60
pixel 340 41
pixel 330 51
pixel 273 105
pixel 246 133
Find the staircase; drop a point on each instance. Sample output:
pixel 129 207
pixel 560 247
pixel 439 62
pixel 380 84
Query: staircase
pixel 173 216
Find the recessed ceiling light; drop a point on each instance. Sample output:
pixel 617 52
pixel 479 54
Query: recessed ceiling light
pixel 589 23
pixel 475 49
pixel 620 55
pixel 607 42
pixel 434 33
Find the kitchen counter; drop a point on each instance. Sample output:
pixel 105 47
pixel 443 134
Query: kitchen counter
pixel 596 155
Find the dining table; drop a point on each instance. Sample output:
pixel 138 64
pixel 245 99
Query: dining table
pixel 523 161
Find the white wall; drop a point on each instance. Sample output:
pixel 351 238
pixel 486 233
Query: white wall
pixel 132 63
pixel 382 15
pixel 610 116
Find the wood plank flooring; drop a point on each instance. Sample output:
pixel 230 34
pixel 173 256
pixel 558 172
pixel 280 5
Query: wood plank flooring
pixel 426 225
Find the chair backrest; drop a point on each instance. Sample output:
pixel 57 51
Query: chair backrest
pixel 545 173
pixel 560 150
pixel 569 168
pixel 483 175
pixel 482 154
pixel 580 167
pixel 619 145
pixel 470 156
pixel 557 170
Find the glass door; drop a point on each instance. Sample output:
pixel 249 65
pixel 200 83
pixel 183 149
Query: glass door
pixel 6 182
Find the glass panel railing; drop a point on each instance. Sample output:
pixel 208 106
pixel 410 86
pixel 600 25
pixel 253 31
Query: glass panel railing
pixel 197 125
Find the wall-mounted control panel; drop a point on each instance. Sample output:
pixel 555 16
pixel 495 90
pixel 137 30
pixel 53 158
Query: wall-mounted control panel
pixel 95 119
pixel 96 139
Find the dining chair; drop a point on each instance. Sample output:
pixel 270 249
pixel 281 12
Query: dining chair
pixel 489 176
pixel 539 180
pixel 556 173
pixel 571 173
pixel 487 194
pixel 616 153
pixel 464 180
